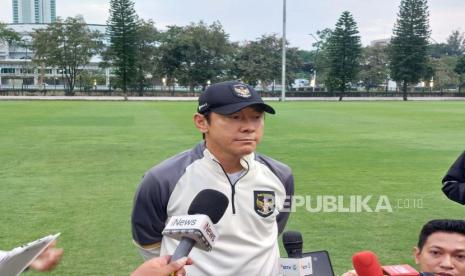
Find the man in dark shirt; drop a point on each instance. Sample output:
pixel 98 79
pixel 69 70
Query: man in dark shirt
pixel 454 181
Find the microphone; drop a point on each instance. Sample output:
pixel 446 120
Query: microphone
pixel 196 229
pixel 366 264
pixel 295 264
pixel 292 241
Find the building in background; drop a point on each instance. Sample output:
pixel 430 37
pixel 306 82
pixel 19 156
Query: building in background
pixel 380 42
pixel 34 11
pixel 17 70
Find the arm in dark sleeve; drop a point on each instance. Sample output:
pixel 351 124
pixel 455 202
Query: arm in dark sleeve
pixel 149 212
pixel 284 216
pixel 454 181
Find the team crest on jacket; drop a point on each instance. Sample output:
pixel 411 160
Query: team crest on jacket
pixel 242 91
pixel 264 203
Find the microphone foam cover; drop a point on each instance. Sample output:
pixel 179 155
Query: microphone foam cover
pixel 209 202
pixel 291 237
pixel 366 264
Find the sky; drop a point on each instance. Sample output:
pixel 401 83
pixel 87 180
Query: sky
pixel 250 19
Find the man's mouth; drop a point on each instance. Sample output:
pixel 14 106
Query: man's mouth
pixel 443 274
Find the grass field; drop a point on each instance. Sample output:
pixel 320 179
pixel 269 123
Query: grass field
pixel 73 167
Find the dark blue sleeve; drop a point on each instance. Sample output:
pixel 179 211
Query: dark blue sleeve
pixel 149 211
pixel 454 181
pixel 284 216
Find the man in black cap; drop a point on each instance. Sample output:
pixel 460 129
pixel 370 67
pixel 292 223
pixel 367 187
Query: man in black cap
pixel 454 181
pixel 230 116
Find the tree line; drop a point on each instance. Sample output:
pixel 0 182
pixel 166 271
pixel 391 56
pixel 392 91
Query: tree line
pixel 198 54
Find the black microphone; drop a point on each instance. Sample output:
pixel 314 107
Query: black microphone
pixel 292 241
pixel 196 229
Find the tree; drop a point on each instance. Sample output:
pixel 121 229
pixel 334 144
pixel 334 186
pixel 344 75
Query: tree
pixel 295 65
pixel 168 54
pixel 322 55
pixel 307 60
pixel 194 54
pixel 444 75
pixel 204 54
pixel 147 36
pixel 8 35
pixel 374 70
pixel 460 70
pixel 122 30
pixel 455 46
pixel 438 50
pixel 344 50
pixel 428 74
pixel 409 44
pixel 455 43
pixel 66 45
pixel 259 61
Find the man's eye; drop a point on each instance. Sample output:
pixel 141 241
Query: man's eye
pixel 461 257
pixel 435 253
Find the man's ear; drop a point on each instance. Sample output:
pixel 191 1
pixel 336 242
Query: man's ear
pixel 416 254
pixel 201 122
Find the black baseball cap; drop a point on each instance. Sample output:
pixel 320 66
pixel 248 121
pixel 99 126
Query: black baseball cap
pixel 229 97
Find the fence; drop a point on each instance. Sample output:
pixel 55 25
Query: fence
pixel 186 93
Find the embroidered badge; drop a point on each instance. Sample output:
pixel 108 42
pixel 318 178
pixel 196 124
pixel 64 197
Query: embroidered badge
pixel 242 91
pixel 264 203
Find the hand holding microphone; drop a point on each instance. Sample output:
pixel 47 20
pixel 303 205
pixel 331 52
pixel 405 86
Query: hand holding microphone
pixel 196 229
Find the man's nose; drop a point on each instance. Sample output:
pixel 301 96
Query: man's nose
pixel 446 262
pixel 248 125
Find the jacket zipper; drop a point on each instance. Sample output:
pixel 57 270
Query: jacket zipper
pixel 233 186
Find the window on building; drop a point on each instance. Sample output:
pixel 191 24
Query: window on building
pixel 26 71
pixel 8 70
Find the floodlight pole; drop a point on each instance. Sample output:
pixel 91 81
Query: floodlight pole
pixel 283 76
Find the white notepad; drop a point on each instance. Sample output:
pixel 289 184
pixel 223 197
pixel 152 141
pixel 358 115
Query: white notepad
pixel 13 262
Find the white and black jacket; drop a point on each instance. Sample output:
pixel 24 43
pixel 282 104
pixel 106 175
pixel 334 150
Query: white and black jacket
pixel 247 243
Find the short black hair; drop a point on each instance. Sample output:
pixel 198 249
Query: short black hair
pixel 440 225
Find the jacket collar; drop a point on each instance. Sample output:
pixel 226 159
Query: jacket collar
pixel 246 160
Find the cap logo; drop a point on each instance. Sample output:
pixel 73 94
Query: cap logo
pixel 203 107
pixel 242 91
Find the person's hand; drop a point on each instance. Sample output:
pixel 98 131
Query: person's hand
pixel 350 273
pixel 48 259
pixel 160 266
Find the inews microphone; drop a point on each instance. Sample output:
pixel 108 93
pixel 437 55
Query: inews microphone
pixel 292 241
pixel 196 229
pixel 366 264
pixel 295 264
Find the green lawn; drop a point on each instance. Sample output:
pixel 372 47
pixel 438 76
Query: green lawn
pixel 73 167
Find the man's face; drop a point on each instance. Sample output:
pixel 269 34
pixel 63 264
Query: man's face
pixel 237 134
pixel 442 254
